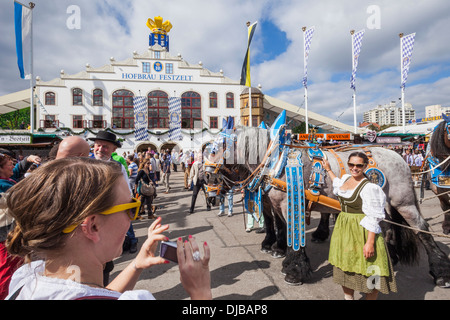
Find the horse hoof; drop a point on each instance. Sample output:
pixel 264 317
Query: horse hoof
pixel 267 251
pixel 278 255
pixel 443 283
pixel 292 281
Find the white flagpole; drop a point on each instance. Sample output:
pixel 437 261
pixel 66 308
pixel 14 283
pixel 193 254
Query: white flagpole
pixel 32 80
pixel 306 87
pixel 403 87
pixel 250 116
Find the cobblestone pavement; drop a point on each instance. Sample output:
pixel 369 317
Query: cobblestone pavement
pixel 240 271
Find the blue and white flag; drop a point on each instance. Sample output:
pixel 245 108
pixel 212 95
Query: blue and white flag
pixel 307 39
pixel 407 44
pixel 140 118
pixel 356 49
pixel 22 24
pixel 175 119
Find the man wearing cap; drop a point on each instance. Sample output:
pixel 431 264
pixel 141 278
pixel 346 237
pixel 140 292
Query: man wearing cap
pixel 105 143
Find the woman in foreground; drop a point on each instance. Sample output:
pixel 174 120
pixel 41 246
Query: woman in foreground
pixel 72 216
pixel 357 248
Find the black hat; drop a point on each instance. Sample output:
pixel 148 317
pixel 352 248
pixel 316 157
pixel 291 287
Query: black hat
pixel 107 136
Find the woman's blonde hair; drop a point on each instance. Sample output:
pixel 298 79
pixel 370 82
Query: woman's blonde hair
pixel 58 194
pixel 143 163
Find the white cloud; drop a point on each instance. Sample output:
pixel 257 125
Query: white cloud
pixel 214 32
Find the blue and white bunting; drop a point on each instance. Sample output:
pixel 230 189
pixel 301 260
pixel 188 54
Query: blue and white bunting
pixel 356 50
pixel 140 118
pixel 22 25
pixel 307 39
pixel 407 45
pixel 175 119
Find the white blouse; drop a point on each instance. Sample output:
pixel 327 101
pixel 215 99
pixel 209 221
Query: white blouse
pixel 36 286
pixel 373 199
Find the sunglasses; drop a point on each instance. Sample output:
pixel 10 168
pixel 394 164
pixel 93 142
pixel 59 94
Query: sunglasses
pixel 132 210
pixel 358 165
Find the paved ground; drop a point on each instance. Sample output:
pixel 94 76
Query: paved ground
pixel 240 271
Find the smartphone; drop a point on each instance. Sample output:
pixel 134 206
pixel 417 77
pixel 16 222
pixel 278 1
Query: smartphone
pixel 168 250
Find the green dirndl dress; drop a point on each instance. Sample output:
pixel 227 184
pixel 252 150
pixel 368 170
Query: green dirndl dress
pixel 350 268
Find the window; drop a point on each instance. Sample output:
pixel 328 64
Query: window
pixel 213 122
pixel 97 122
pixel 213 100
pixel 97 99
pixel 123 109
pixel 50 122
pixel 169 68
pixel 157 54
pixel 146 67
pixel 191 109
pixel 77 97
pixel 78 122
pixel 158 109
pixel 230 100
pixel 50 99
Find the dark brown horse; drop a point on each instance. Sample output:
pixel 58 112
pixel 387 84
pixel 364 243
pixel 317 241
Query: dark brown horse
pixel 439 148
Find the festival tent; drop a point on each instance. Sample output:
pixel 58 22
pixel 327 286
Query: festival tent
pixel 15 101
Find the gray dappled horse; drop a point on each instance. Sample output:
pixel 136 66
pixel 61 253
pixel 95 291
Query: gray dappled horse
pixel 402 205
pixel 439 147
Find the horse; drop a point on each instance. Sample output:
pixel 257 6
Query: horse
pixel 438 152
pixel 402 205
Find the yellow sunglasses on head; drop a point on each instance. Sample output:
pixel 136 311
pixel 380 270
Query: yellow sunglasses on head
pixel 132 209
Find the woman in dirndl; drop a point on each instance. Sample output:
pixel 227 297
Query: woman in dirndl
pixel 357 249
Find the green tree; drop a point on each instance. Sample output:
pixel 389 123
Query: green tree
pixel 12 120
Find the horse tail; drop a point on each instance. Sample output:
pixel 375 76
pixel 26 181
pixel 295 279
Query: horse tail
pixel 402 243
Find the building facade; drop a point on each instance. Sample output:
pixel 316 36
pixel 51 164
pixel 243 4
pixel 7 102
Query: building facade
pixel 436 111
pixel 101 98
pixel 389 114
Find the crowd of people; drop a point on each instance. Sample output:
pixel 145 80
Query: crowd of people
pixel 414 156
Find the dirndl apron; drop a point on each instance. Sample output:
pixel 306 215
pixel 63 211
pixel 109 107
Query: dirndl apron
pixel 350 268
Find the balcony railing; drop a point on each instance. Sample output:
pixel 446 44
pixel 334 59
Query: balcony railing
pixel 97 124
pixel 49 124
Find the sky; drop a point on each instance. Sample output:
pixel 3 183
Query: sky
pixel 215 33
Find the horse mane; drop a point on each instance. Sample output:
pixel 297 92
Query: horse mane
pixel 437 145
pixel 251 144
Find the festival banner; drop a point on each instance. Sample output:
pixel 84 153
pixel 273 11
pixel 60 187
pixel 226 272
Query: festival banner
pixel 140 118
pixel 245 73
pixel 175 119
pixel 356 49
pixel 307 35
pixel 407 45
pixel 22 25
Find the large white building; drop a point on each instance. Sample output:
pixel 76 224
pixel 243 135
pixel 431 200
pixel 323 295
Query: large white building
pixel 436 111
pixel 389 114
pixel 102 98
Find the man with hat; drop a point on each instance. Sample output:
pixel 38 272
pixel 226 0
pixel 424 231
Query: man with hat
pixel 105 143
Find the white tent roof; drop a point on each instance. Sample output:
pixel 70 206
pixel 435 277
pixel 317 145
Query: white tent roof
pixel 417 128
pixel 315 119
pixel 15 101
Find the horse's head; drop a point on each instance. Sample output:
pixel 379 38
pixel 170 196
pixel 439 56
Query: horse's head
pixel 216 170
